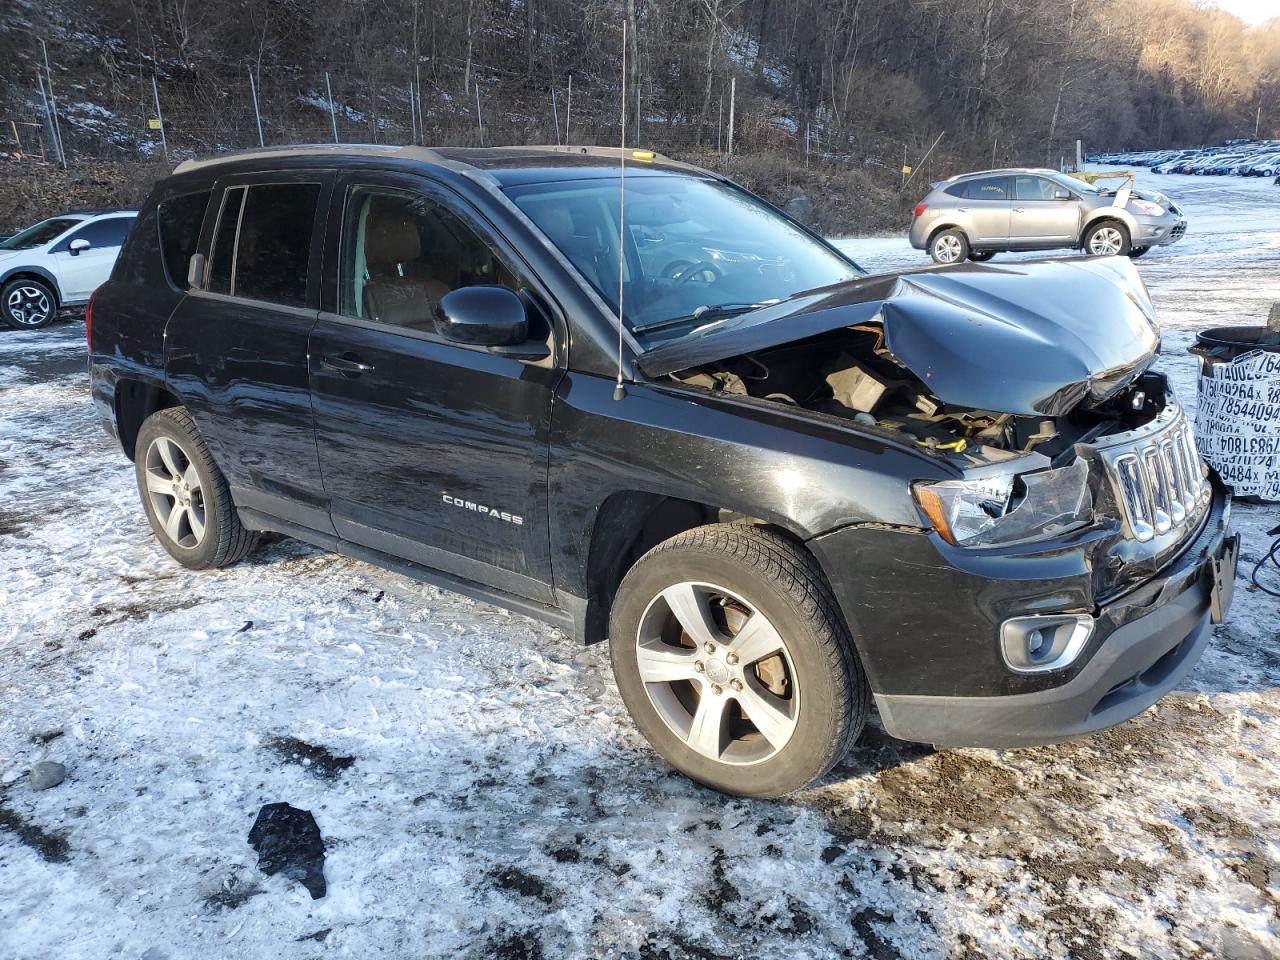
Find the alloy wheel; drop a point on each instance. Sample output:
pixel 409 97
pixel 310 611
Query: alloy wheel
pixel 28 305
pixel 1106 242
pixel 176 494
pixel 947 249
pixel 718 673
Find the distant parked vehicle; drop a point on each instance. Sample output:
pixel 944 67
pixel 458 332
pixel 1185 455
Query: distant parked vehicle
pixel 977 215
pixel 58 263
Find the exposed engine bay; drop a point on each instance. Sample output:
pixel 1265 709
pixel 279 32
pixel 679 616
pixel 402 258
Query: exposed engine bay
pixel 851 373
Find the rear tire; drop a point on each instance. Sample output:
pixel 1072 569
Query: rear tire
pixel 753 687
pixel 1107 238
pixel 185 495
pixel 27 304
pixel 949 246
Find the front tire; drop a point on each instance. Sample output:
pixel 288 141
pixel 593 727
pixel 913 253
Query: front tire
pixel 1136 252
pixel 733 659
pixel 949 246
pixel 185 494
pixel 27 304
pixel 981 256
pixel 1108 238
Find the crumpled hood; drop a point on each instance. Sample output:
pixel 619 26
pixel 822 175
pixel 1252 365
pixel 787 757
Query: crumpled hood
pixel 1030 338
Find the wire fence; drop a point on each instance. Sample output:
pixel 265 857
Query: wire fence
pixel 140 116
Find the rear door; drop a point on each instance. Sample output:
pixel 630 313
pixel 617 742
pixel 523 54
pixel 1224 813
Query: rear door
pixel 986 209
pixel 80 272
pixel 431 451
pixel 236 350
pixel 1037 218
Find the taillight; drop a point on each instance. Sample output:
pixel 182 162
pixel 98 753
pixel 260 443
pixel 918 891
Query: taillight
pixel 920 209
pixel 88 320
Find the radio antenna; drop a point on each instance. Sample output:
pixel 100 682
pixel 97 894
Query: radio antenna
pixel 622 184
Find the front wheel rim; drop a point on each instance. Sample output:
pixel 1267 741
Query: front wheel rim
pixel 176 493
pixel 947 249
pixel 1106 242
pixel 28 305
pixel 718 673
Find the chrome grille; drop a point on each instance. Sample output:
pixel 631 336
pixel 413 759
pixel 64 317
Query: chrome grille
pixel 1159 480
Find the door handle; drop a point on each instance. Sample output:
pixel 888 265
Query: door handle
pixel 347 364
pixel 1019 209
pixel 962 209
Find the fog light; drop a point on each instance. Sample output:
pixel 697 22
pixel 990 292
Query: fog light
pixel 1036 644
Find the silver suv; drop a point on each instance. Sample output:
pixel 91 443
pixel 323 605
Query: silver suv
pixel 977 215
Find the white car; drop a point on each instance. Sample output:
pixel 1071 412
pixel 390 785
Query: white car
pixel 58 263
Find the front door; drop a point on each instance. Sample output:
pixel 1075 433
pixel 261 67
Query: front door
pixel 80 272
pixel 431 451
pixel 987 210
pixel 236 351
pixel 1038 219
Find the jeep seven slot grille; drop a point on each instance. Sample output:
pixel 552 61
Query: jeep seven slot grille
pixel 1158 477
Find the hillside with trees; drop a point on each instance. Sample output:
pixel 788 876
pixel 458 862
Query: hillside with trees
pixel 816 88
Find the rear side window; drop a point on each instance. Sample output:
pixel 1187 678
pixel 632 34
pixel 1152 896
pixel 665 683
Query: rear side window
pixel 103 233
pixel 180 219
pixel 263 242
pixel 989 188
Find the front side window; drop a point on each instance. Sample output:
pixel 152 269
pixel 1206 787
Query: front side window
pixel 691 244
pixel 989 188
pixel 262 245
pixel 179 221
pixel 37 235
pixel 102 234
pixel 402 251
pixel 1033 188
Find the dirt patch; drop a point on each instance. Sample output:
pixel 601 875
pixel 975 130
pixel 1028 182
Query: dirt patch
pixel 525 884
pixel 233 893
pixel 316 760
pixel 50 846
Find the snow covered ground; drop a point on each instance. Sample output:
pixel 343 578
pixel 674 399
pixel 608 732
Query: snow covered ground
pixel 481 791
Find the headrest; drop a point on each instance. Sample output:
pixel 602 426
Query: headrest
pixel 557 223
pixel 391 235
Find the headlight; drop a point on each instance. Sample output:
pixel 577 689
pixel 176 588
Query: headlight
pixel 1008 508
pixel 1147 207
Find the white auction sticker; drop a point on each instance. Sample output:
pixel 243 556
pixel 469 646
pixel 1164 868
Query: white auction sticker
pixel 1238 422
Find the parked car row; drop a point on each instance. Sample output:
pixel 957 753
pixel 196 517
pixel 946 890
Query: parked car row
pixel 1249 158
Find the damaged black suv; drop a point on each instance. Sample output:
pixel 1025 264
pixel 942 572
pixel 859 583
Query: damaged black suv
pixel 780 487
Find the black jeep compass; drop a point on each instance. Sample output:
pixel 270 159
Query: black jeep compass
pixel 629 398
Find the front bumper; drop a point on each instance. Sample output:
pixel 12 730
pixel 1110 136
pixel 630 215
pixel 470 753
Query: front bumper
pixel 1145 642
pixel 1137 664
pixel 1158 231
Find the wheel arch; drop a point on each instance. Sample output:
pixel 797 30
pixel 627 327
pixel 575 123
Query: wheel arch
pixel 134 400
pixel 1103 214
pixel 627 525
pixel 32 272
pixel 939 228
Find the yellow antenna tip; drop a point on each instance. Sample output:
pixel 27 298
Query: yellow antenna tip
pixel 642 154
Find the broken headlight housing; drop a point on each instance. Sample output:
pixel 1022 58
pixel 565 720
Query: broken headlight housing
pixel 1147 207
pixel 1008 508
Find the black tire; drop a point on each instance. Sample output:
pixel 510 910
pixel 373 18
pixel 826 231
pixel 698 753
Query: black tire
pixel 1095 230
pixel 949 246
pixel 223 539
pixel 1136 252
pixel 777 578
pixel 981 256
pixel 28 304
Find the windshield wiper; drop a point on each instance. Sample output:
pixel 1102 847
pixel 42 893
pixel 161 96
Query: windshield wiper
pixel 708 311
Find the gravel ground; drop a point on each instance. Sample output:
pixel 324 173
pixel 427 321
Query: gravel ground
pixel 481 791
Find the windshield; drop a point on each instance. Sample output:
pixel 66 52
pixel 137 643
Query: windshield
pixel 1080 186
pixel 694 248
pixel 40 234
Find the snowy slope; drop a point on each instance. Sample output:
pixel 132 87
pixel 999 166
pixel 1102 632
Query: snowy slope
pixel 498 803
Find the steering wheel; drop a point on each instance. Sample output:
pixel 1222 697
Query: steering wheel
pixel 704 271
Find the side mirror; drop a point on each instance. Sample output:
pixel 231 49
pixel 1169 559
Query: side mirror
pixel 1061 195
pixel 482 316
pixel 75 246
pixel 195 272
